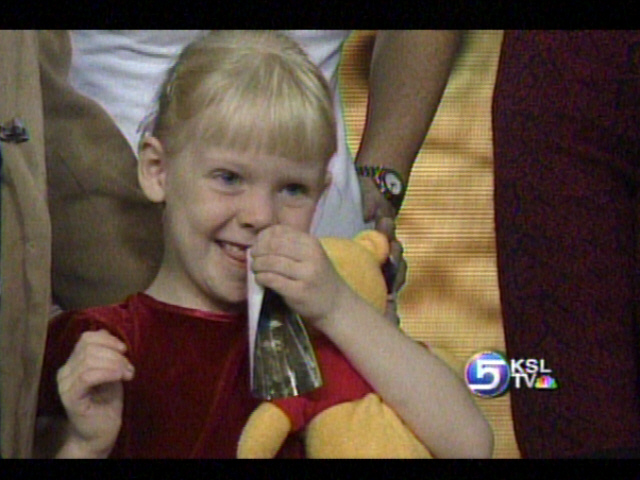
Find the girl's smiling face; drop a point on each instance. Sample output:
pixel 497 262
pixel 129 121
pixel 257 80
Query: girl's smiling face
pixel 216 203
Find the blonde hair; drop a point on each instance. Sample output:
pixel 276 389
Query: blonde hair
pixel 247 91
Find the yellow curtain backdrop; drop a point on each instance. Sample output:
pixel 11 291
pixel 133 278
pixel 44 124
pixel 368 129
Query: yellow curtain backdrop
pixel 451 297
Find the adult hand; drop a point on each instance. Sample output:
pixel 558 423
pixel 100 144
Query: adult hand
pixel 377 209
pixel 374 205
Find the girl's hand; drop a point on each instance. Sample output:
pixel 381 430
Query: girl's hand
pixel 90 387
pixel 294 264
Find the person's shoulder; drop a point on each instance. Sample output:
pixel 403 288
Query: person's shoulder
pixel 120 309
pixel 95 312
pixel 115 318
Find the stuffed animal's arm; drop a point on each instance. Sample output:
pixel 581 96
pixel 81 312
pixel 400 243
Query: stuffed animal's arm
pixel 265 432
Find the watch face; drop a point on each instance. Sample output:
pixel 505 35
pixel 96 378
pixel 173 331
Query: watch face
pixel 393 183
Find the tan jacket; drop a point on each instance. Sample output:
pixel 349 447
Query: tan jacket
pixel 26 244
pixel 75 224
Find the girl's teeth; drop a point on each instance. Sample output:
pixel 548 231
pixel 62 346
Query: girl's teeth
pixel 235 250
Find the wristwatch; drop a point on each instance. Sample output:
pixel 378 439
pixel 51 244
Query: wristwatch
pixel 388 181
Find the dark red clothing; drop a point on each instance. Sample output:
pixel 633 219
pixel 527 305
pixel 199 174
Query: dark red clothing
pixel 190 397
pixel 566 120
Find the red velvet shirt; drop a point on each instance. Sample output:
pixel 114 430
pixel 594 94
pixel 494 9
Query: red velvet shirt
pixel 190 396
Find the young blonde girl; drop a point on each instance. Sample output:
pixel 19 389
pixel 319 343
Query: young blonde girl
pixel 238 157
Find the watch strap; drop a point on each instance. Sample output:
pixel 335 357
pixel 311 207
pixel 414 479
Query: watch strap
pixel 376 172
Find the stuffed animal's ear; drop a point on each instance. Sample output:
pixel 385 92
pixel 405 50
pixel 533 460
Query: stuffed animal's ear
pixel 376 242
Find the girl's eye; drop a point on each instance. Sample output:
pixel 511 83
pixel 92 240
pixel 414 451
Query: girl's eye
pixel 227 177
pixel 295 189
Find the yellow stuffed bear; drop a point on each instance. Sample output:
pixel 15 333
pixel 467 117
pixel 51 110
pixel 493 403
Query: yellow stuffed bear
pixel 344 418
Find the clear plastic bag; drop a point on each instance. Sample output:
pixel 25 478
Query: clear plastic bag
pixel 284 363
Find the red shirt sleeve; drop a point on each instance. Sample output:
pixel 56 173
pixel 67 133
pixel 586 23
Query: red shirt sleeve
pixel 63 333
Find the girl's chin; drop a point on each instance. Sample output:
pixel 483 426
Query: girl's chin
pixel 236 307
pixel 234 301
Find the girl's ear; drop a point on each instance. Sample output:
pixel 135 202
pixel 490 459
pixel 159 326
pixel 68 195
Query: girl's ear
pixel 152 169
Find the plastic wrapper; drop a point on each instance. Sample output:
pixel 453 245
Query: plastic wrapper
pixel 282 360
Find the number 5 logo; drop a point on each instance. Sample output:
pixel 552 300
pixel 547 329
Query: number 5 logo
pixel 487 374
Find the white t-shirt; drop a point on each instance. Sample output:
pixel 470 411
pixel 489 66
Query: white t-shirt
pixel 122 70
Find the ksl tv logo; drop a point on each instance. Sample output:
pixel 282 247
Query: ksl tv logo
pixel 489 374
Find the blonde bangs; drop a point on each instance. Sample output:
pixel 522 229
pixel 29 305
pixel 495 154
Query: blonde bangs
pixel 240 93
pixel 282 125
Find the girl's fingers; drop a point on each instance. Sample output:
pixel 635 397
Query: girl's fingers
pixel 281 240
pixel 279 283
pixel 96 356
pixel 278 265
pixel 93 377
pixel 101 337
pixel 112 370
pixel 75 387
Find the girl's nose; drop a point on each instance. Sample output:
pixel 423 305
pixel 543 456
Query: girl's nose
pixel 258 210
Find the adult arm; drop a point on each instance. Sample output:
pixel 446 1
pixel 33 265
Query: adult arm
pixel 408 74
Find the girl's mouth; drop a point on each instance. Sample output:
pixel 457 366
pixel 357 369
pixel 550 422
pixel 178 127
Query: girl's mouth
pixel 235 251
